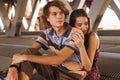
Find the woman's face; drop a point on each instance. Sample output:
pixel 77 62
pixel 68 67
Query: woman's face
pixel 82 24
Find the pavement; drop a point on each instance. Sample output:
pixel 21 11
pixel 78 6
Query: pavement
pixel 109 61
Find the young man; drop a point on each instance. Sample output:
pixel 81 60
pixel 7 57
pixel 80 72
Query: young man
pixel 58 40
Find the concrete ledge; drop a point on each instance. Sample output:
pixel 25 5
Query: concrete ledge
pixel 108 32
pixel 5 62
pixel 100 33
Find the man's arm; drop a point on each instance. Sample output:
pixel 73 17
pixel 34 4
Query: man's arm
pixel 14 68
pixel 36 46
pixel 47 59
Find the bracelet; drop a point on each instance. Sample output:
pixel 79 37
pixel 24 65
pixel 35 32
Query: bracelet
pixel 15 66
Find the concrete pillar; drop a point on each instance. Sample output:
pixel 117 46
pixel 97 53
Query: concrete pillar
pixel 97 10
pixel 115 8
pixel 17 22
pixel 4 17
pixel 81 3
pixel 35 15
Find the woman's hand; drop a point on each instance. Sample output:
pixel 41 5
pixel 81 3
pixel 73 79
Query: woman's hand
pixel 78 39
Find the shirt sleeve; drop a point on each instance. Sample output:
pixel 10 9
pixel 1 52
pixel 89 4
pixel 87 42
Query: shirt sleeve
pixel 69 43
pixel 42 40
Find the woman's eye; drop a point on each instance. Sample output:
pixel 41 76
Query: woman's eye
pixel 79 25
pixel 86 23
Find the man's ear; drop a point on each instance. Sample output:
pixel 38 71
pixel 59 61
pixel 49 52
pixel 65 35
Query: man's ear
pixel 48 19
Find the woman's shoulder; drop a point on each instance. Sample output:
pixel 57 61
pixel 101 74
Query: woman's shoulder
pixel 94 38
pixel 93 35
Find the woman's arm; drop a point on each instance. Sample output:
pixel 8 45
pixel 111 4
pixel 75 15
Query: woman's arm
pixel 86 56
pixel 93 46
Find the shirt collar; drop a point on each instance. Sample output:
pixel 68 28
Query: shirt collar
pixel 66 33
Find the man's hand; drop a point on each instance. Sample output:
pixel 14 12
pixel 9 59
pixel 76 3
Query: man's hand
pixel 12 74
pixel 18 58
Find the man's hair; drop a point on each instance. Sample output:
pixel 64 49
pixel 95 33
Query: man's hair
pixel 55 3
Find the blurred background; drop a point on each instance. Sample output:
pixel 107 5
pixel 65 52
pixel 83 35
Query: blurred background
pixel 20 24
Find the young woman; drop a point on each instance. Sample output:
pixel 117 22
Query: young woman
pixel 89 46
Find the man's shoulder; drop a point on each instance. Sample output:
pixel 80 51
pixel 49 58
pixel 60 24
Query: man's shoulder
pixel 48 29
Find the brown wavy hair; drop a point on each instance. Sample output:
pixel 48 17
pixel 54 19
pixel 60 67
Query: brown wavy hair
pixel 46 11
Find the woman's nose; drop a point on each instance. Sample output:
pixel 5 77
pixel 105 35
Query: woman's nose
pixel 84 27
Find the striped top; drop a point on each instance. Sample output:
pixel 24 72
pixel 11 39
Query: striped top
pixel 52 39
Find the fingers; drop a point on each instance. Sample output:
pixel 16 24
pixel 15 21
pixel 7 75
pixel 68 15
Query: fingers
pixel 78 34
pixel 18 58
pixel 76 37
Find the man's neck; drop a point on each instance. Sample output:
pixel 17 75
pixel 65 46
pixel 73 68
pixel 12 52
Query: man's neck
pixel 60 31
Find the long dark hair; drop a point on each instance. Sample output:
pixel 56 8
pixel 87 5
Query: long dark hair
pixel 80 13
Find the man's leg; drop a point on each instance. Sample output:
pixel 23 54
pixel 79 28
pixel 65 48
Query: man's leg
pixel 46 71
pixel 26 68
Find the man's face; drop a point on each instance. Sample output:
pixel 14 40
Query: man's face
pixel 56 17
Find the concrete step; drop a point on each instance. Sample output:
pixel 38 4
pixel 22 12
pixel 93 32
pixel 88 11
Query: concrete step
pixel 5 62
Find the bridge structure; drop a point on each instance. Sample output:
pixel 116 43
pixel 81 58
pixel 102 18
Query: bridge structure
pixel 18 30
pixel 17 16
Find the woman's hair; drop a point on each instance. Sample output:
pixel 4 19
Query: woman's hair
pixel 81 13
pixel 55 3
pixel 78 13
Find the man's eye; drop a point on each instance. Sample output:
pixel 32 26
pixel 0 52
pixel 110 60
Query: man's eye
pixel 61 13
pixel 54 14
